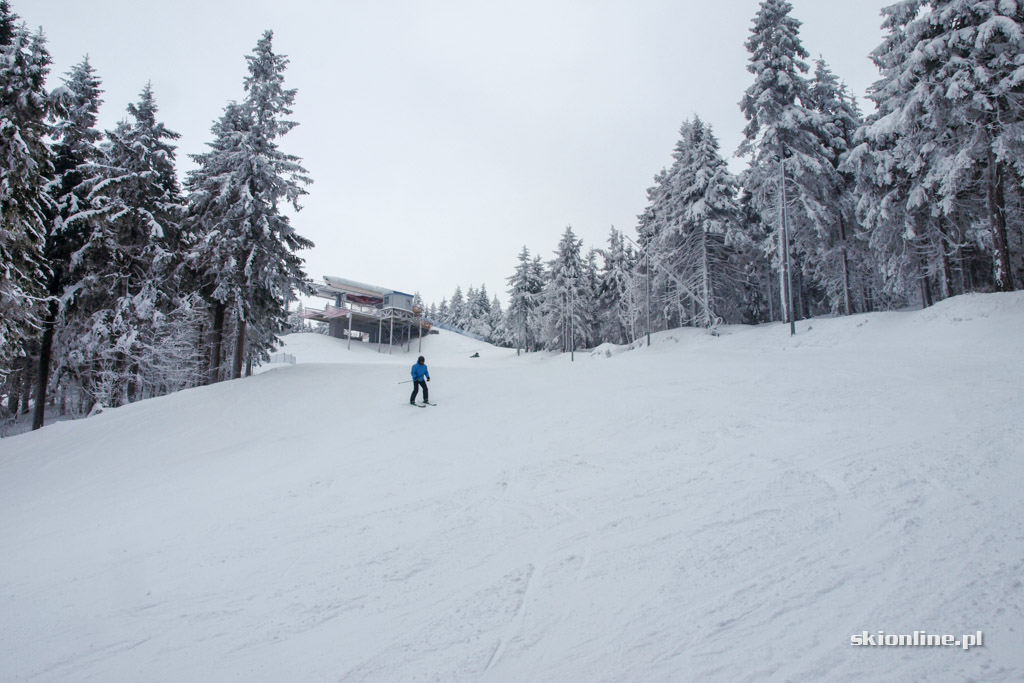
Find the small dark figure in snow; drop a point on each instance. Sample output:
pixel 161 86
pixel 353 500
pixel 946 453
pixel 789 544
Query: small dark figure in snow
pixel 419 372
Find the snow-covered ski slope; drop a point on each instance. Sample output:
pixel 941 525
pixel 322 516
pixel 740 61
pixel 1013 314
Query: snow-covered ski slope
pixel 731 508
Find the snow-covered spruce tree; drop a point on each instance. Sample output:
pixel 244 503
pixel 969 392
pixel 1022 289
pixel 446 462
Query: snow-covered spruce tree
pixel 538 273
pixel 470 306
pixel 686 230
pixel 243 246
pixel 790 177
pixel 951 119
pixel 840 264
pixel 709 226
pixel 469 311
pixel 120 277
pixel 498 325
pixel 900 203
pixel 75 139
pixel 653 229
pixel 216 205
pixel 565 296
pixel 479 306
pixel 25 169
pixel 984 62
pixel 757 292
pixel 524 291
pixel 589 303
pixel 456 309
pixel 616 303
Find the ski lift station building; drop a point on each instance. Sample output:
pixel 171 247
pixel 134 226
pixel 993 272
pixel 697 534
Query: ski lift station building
pixel 369 313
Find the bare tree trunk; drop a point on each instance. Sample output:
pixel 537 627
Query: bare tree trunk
pixel 12 397
pixel 236 370
pixel 847 302
pixel 947 274
pixel 216 341
pixel 45 359
pixel 865 299
pixel 997 218
pixel 26 384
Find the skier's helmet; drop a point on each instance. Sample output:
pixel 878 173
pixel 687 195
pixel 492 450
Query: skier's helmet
pixel 420 359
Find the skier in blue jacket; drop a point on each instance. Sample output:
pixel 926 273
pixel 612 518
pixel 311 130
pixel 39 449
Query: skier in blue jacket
pixel 419 372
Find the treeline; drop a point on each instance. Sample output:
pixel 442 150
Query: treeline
pixel 835 213
pixel 117 282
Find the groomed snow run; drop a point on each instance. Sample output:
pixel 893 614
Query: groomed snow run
pixel 728 508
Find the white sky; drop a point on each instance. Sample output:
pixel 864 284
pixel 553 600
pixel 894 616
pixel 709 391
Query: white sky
pixel 443 136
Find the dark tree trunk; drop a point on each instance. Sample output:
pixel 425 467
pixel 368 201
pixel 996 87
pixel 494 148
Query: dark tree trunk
pixel 236 370
pixel 947 274
pixel 803 304
pixel 45 359
pixel 216 342
pixel 997 217
pixel 847 301
pixel 13 399
pixel 26 384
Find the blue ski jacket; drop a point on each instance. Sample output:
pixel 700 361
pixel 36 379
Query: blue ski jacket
pixel 419 372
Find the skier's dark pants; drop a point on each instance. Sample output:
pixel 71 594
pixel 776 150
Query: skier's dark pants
pixel 416 389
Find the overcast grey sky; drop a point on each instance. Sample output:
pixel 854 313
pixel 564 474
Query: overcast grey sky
pixel 444 135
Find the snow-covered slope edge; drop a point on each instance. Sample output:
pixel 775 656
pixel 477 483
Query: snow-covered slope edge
pixel 730 508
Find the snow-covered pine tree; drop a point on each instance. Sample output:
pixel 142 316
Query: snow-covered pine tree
pixel 564 296
pixel 480 312
pixel 524 291
pixel 25 169
pixel 483 302
pixel 497 324
pixel 654 232
pixel 121 275
pixel 75 139
pixel 951 82
pixel 840 264
pixel 216 208
pixel 470 312
pixel 588 302
pixel 686 231
pixel 243 246
pixel 790 175
pixel 8 23
pixel 616 305
pixel 456 309
pixel 442 313
pixel 710 225
pixel 899 204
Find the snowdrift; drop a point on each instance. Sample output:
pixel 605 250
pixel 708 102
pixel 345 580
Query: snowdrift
pixel 708 508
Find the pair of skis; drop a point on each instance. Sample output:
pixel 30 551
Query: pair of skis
pixel 423 405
